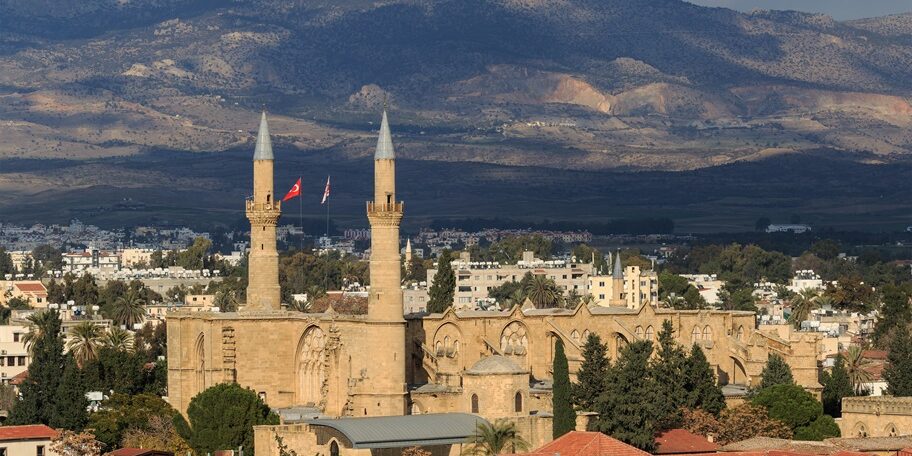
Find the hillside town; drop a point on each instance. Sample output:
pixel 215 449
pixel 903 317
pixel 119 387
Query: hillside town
pixel 161 341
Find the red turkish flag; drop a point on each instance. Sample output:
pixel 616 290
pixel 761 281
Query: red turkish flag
pixel 295 191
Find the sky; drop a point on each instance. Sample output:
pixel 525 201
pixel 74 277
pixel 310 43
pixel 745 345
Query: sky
pixel 839 9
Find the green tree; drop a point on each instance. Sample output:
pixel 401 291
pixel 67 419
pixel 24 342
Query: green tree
pixel 802 305
pixel 128 309
pixel 798 409
pixel 38 393
pixel 119 339
pixel 790 404
pixel 857 368
pixel 836 385
pixel 593 372
pixel 668 374
pixel 826 249
pixel 70 402
pixel 561 401
pixel 195 255
pixel 84 291
pixel 700 383
pixel 776 372
pixel 85 340
pixel 119 371
pixel 543 292
pixel 6 263
pixel 122 412
pixel 443 288
pixel 628 410
pixel 823 427
pixel 898 372
pixel 55 292
pixel 40 323
pixel 157 260
pixel 223 417
pixel 495 438
pixel 895 312
pixel 46 258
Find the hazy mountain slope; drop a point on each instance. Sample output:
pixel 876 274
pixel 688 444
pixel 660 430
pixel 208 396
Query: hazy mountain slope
pixel 586 85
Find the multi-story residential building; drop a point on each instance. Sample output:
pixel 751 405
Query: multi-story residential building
pixel 93 259
pixel 474 279
pixel 14 357
pixel 805 279
pixel 136 257
pixel 633 288
pixel 32 291
pixel 707 284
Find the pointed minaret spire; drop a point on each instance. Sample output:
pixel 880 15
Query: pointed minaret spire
pixel 385 142
pixel 263 149
pixel 618 270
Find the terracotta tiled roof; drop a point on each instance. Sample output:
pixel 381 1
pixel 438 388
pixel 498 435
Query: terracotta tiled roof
pixel 874 354
pixel 905 452
pixel 681 441
pixel 775 453
pixel 19 378
pixel 577 443
pixel 28 432
pixel 31 287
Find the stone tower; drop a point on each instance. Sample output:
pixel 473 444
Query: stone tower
pixel 263 211
pixel 617 283
pixel 386 362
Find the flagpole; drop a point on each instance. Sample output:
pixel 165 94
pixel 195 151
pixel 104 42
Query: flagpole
pixel 301 206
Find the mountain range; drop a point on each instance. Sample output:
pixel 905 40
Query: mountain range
pixel 95 95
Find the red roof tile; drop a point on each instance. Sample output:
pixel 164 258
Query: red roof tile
pixel 577 443
pixel 681 441
pixel 905 452
pixel 31 287
pixel 19 378
pixel 28 432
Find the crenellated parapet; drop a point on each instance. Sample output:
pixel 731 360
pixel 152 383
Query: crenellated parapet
pixel 878 405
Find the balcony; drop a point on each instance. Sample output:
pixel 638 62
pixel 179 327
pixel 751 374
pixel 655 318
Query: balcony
pixel 385 207
pixel 254 206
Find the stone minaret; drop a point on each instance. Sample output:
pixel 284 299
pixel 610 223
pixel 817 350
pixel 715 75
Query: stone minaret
pixel 617 283
pixel 263 212
pixel 385 391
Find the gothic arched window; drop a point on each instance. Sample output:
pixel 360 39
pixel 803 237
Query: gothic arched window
pixel 518 402
pixel 474 403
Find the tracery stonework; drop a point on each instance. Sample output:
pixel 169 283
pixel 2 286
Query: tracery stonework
pixel 311 367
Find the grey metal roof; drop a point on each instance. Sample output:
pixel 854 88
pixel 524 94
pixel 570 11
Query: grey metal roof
pixel 385 141
pixel 618 270
pixel 263 149
pixel 405 431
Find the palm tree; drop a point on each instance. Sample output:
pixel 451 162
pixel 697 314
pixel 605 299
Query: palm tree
pixel 85 340
pixel 802 305
pixel 857 368
pixel 493 439
pixel 128 309
pixel 119 339
pixel 39 324
pixel 543 292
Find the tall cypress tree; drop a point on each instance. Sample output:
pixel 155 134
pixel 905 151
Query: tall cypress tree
pixel 39 390
pixel 700 383
pixel 668 372
pixel 592 375
pixel 836 385
pixel 628 409
pixel 776 372
pixel 561 402
pixel 898 373
pixel 444 286
pixel 71 403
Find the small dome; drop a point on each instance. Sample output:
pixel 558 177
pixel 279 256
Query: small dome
pixel 495 365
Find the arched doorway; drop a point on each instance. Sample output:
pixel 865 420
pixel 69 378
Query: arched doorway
pixel 311 370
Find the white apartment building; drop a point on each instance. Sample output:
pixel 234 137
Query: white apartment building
pixel 91 259
pixel 474 279
pixel 707 284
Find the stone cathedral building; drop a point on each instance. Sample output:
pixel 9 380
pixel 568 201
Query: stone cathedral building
pixel 491 363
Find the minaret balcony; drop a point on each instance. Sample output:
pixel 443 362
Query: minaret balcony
pixel 376 208
pixel 253 206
